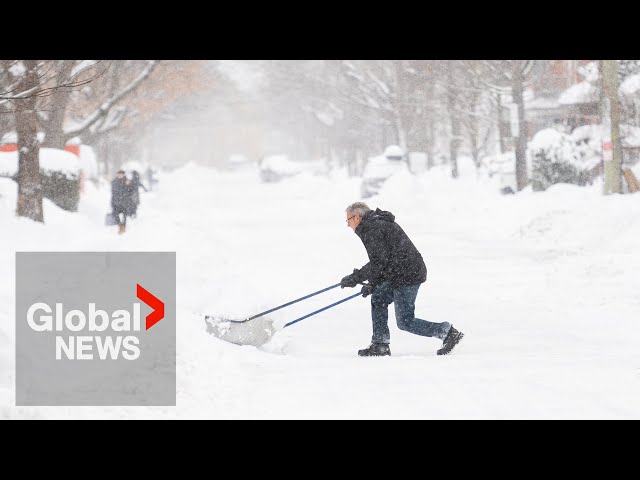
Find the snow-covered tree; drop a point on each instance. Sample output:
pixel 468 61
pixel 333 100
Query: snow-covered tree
pixel 477 110
pixel 25 82
pixel 510 77
pixel 25 86
pixel 97 108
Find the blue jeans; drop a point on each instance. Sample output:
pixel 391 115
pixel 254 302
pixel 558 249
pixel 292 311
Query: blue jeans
pixel 404 299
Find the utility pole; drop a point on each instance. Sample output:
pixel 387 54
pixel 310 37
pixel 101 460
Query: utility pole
pixel 611 145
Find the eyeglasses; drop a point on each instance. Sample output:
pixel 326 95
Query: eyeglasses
pixel 351 218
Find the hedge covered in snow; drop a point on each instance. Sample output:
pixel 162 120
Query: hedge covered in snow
pixel 557 157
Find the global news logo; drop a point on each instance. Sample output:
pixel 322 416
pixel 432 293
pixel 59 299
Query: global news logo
pixel 95 333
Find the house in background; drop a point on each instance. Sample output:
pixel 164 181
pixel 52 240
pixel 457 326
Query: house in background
pixel 563 95
pixel 566 98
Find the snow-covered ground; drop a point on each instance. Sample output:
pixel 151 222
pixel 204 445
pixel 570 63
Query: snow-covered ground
pixel 544 285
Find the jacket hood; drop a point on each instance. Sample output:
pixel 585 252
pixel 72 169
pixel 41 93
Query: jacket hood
pixel 379 215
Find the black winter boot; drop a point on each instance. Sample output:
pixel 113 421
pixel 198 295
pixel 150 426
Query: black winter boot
pixel 375 350
pixel 450 341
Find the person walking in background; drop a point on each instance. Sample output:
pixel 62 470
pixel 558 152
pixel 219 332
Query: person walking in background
pixel 119 199
pixel 134 193
pixel 395 272
pixel 150 179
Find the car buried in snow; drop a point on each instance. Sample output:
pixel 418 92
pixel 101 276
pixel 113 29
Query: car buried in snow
pixel 379 169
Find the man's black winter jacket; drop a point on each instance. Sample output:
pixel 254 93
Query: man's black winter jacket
pixel 392 255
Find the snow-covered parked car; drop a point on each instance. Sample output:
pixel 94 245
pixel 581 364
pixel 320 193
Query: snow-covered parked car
pixel 238 162
pixel 379 169
pixel 274 168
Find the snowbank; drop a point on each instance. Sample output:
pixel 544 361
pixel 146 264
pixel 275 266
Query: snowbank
pixel 51 159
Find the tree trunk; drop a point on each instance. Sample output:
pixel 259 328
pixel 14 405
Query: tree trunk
pixel 455 127
pixel 53 127
pixel 522 179
pixel 400 134
pixel 475 148
pixel 384 136
pixel 400 113
pixel 29 179
pixel 501 132
pixel 429 140
pixel 611 109
pixel 472 127
pixel 430 144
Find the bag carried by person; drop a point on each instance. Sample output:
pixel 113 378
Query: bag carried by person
pixel 111 219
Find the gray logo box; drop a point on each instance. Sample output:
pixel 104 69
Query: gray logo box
pixel 97 363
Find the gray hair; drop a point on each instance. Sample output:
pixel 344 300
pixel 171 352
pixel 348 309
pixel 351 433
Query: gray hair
pixel 358 208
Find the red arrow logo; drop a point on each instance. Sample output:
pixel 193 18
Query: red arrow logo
pixel 158 306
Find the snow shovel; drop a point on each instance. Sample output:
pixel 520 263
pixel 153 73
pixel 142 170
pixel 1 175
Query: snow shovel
pixel 257 329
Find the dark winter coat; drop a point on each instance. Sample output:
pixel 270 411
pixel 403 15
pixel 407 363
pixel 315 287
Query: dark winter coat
pixel 131 204
pixel 119 193
pixel 392 255
pixel 135 190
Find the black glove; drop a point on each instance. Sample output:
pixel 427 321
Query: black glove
pixel 350 280
pixel 367 289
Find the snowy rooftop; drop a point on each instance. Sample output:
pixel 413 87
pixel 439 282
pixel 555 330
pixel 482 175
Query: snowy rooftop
pixel 583 92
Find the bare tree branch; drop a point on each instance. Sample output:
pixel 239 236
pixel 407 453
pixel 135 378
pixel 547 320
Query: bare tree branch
pixel 103 109
pixel 39 91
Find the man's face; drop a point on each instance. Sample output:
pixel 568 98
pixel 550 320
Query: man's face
pixel 120 175
pixel 353 220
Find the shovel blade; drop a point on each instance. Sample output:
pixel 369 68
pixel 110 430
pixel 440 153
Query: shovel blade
pixel 254 332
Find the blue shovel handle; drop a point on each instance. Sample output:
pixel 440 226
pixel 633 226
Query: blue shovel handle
pixel 285 305
pixel 323 309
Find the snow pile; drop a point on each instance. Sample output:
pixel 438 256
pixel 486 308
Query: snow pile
pixel 51 160
pixel 56 160
pixel 8 164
